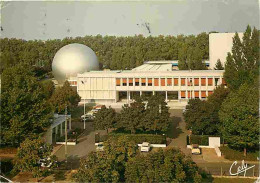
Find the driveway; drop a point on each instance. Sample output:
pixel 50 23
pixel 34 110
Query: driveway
pixel 179 131
pixel 86 143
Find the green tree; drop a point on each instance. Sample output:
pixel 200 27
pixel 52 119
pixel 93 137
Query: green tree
pixel 30 153
pixel 113 52
pixel 219 65
pixel 198 117
pixel 163 166
pixel 109 165
pixel 243 62
pixel 7 59
pixel 24 109
pixel 48 88
pixel 156 115
pixel 105 119
pixel 240 118
pixel 64 96
pixel 131 116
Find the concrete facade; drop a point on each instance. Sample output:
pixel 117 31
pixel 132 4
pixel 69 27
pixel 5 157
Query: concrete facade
pixel 219 46
pixel 105 86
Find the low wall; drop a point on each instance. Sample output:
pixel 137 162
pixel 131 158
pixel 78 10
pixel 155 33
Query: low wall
pixel 189 146
pixel 68 143
pixel 218 151
pixel 151 145
pixel 154 145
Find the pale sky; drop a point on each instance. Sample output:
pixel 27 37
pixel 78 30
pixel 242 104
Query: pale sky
pixel 56 20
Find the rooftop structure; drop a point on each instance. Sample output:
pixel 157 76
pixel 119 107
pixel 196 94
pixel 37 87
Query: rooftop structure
pixel 73 59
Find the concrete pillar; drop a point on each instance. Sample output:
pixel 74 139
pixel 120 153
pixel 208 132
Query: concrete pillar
pixel 166 96
pixel 127 96
pixel 70 123
pixel 61 129
pixel 153 92
pixel 140 93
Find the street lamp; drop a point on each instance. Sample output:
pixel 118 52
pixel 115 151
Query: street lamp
pixel 84 119
pixel 190 79
pixel 66 135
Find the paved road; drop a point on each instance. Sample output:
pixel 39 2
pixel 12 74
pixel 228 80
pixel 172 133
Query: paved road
pixel 86 143
pixel 179 132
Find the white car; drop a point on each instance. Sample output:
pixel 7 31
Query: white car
pixel 100 146
pixel 195 149
pixel 89 115
pixel 184 110
pixel 45 163
pixel 145 147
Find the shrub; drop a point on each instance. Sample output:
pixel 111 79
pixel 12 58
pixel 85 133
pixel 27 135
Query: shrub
pixel 140 138
pixel 199 139
pixel 232 154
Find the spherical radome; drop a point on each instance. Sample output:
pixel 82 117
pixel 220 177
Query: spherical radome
pixel 73 59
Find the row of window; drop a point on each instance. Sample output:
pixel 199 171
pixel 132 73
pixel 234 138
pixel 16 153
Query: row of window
pixel 196 94
pixel 166 82
pixel 73 83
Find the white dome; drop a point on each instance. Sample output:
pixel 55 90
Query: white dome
pixel 73 59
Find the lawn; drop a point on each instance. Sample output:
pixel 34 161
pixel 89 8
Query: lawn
pixel 232 154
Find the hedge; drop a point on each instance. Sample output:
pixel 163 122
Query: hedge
pixel 140 138
pixel 232 154
pixel 199 139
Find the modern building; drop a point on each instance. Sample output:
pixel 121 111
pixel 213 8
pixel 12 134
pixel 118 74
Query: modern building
pixel 163 77
pixel 148 79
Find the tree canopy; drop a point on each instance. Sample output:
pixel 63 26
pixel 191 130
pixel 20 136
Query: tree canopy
pixel 64 96
pixel 193 52
pixel 219 65
pixel 25 111
pixel 121 162
pixel 30 153
pixel 163 166
pixel 105 119
pixel 113 52
pixel 202 116
pixel 242 63
pixel 109 165
pixel 155 117
pixel 240 118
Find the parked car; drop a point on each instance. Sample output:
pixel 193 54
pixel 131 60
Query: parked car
pixel 90 115
pixel 184 110
pixel 145 147
pixel 87 116
pixel 98 107
pixel 46 162
pixel 100 146
pixel 195 149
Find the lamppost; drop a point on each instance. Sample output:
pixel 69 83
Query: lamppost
pixel 84 114
pixel 84 118
pixel 66 135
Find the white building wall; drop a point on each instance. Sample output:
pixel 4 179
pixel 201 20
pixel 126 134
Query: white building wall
pixel 219 46
pixel 100 87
